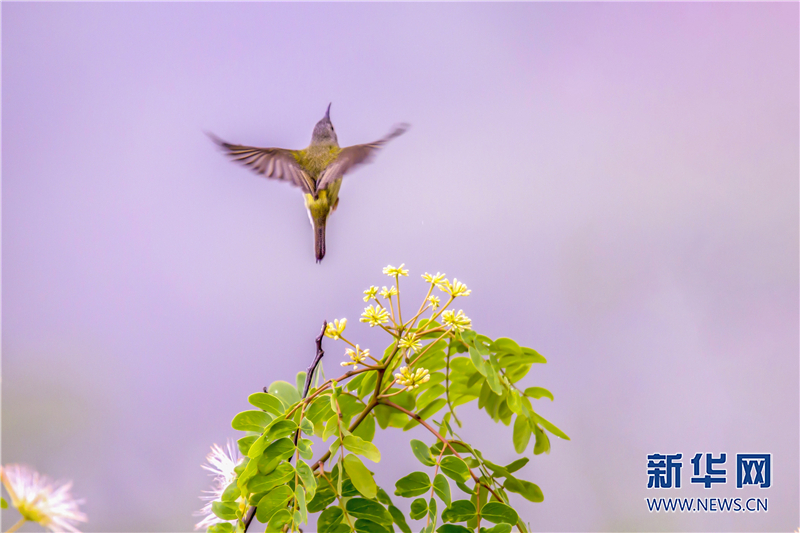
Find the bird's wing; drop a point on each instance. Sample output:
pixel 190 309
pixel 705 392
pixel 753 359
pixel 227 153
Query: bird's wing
pixel 352 156
pixel 275 163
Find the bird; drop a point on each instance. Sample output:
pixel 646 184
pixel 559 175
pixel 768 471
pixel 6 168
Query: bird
pixel 317 169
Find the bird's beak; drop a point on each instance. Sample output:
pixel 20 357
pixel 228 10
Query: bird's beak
pixel 328 112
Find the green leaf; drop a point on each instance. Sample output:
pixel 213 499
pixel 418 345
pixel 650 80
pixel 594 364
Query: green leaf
pixel 453 528
pixel 301 504
pixel 278 451
pixel 361 447
pixel 355 382
pixel 278 520
pixel 304 446
pixel 551 428
pixel 522 434
pixel 419 508
pixel 427 412
pixel 459 511
pixel 368 385
pixel 422 452
pixel 516 465
pixel 307 427
pixel 285 392
pixel 399 519
pixel 529 491
pixel 538 392
pixel 496 513
pixel 542 444
pixel 361 508
pixel 223 527
pixel 331 427
pixel 429 395
pixel 493 379
pixel 308 479
pixel 503 345
pixel 432 513
pixel 281 429
pixel 300 382
pixel 360 476
pixel 499 528
pixel 455 468
pixel 364 525
pixel 478 361
pixel 366 429
pixel 225 510
pixel 464 488
pixel 413 484
pixel 442 489
pixel 267 402
pixel 251 421
pixel 231 492
pixel 245 442
pixel 323 497
pixel 330 519
pixel 272 502
pixel 3 503
pixel 262 483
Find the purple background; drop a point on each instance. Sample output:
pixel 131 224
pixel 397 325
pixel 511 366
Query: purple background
pixel 617 184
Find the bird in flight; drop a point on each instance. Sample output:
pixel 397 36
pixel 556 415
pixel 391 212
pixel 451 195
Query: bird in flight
pixel 317 169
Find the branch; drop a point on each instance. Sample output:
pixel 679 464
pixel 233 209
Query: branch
pixel 309 376
pixel 445 442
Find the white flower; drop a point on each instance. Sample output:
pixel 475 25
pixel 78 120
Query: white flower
pixel 412 379
pixel 334 330
pixel 356 356
pixel 392 271
pixel 411 342
pixel 370 293
pixel 387 292
pixel 454 289
pixel 433 279
pixel 221 464
pixel 374 316
pixel 457 321
pixel 40 500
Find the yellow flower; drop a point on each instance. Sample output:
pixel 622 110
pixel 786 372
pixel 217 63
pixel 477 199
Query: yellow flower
pixel 392 271
pixel 356 356
pixel 411 341
pixel 335 330
pixel 388 293
pixel 434 279
pixel 375 316
pixel 412 379
pixel 457 321
pixel 434 301
pixel 370 293
pixel 454 289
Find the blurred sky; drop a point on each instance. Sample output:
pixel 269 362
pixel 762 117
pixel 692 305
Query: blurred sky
pixel 616 182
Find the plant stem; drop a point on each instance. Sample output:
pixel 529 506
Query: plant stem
pixel 17 525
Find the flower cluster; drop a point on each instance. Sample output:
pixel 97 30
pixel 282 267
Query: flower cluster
pixel 334 330
pixel 392 271
pixel 356 356
pixel 434 301
pixel 411 342
pixel 457 321
pixel 375 316
pixel 389 292
pixel 370 293
pixel 454 289
pixel 39 500
pixel 412 379
pixel 221 464
pixel 433 279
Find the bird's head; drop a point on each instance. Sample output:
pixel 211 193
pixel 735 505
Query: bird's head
pixel 323 131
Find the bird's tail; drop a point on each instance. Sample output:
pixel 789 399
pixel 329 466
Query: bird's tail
pixel 319 240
